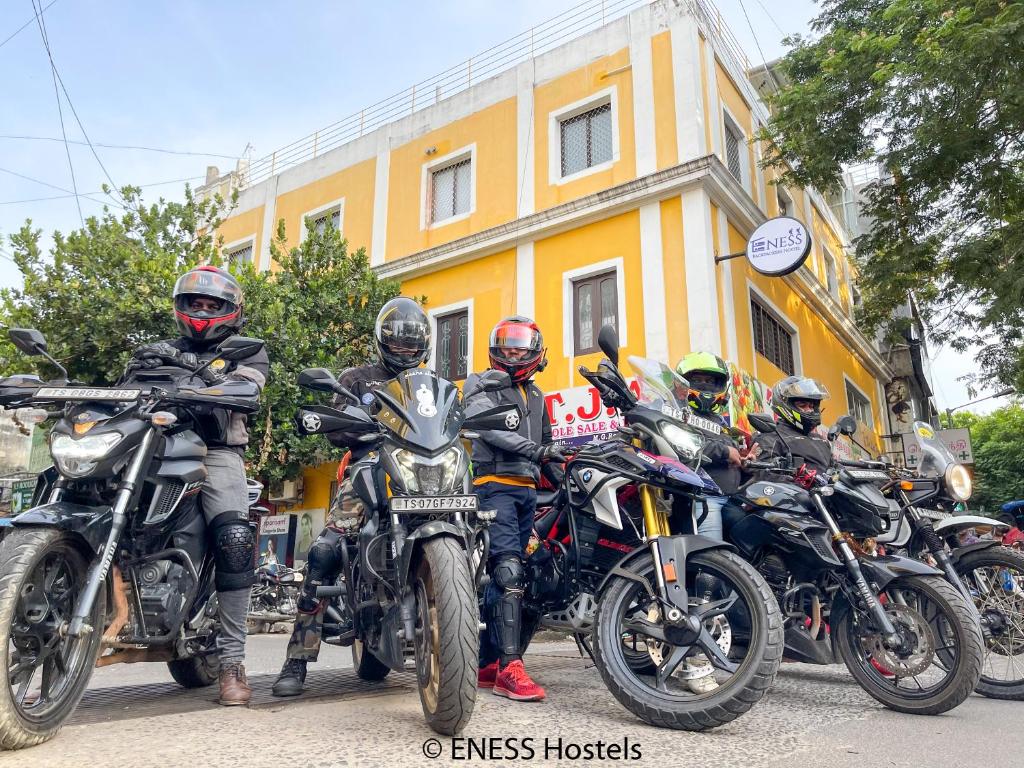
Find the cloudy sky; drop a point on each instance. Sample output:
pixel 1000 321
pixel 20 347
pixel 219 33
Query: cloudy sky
pixel 202 81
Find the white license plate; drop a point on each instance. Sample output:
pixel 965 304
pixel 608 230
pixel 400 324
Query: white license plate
pixel 706 424
pixel 434 504
pixel 673 413
pixel 86 393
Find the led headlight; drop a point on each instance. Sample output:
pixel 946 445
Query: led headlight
pixel 77 458
pixel 687 443
pixel 429 476
pixel 958 482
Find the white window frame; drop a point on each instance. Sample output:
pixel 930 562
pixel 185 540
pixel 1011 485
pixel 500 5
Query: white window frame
pixel 744 148
pixel 568 280
pixel 236 245
pixel 448 309
pixel 557 117
pixel 871 408
pixel 316 212
pixel 827 255
pixel 467 152
pixel 753 292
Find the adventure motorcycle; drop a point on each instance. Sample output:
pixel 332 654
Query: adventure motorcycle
pixel 907 636
pixel 113 566
pixel 659 609
pixel 407 588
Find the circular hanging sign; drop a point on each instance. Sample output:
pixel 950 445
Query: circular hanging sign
pixel 779 246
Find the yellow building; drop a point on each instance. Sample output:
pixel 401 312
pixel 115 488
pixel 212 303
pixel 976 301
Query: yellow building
pixel 593 182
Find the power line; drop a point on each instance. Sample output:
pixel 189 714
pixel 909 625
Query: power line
pixel 19 29
pixel 60 113
pixel 59 189
pixel 764 62
pixel 65 197
pixel 123 146
pixel 771 18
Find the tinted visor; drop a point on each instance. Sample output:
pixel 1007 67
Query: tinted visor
pixel 406 334
pixel 802 389
pixel 516 336
pixel 207 282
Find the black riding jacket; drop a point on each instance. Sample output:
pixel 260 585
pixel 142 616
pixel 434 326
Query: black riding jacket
pixel 812 450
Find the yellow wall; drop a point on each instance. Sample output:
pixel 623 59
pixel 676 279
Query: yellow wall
pixel 568 89
pixel 243 225
pixel 493 131
pixel 665 140
pixel 678 323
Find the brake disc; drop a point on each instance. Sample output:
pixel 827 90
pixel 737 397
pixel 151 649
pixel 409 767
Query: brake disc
pixel 720 630
pixel 910 624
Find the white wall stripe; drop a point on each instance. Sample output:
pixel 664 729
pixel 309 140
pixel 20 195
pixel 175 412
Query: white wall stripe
pixel 641 59
pixel 689 99
pixel 701 290
pixel 525 140
pixel 269 221
pixel 728 303
pixel 652 267
pixel 379 237
pixel 524 280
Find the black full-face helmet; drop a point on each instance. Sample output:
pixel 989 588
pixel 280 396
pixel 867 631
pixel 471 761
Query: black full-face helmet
pixel 220 289
pixel 795 391
pixel 402 335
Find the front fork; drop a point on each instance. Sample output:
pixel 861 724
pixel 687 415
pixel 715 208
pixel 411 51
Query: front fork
pixel 656 525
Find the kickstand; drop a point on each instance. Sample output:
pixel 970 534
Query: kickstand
pixel 584 646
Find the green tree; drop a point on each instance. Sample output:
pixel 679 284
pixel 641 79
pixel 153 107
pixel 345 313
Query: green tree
pixel 998 456
pixel 932 91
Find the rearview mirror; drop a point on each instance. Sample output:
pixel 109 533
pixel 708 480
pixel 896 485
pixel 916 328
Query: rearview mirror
pixel 28 340
pixel 494 381
pixel 503 417
pixel 762 422
pixel 239 348
pixel 317 379
pixel 608 341
pixel 320 419
pixel 846 425
pixel 833 433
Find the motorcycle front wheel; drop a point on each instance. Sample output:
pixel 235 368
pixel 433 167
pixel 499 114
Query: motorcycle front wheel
pixel 447 635
pixel 43 573
pixel 690 684
pixel 939 662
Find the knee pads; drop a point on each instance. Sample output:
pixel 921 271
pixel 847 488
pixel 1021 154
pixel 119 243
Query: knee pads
pixel 234 552
pixel 322 564
pixel 509 574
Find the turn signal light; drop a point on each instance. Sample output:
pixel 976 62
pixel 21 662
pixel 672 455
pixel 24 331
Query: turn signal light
pixel 906 485
pixel 85 426
pixel 163 419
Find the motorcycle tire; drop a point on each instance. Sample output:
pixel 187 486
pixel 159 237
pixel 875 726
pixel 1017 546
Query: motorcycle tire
pixel 195 672
pixel 699 712
pixel 31 557
pixel 967 664
pixel 368 667
pixel 998 557
pixel 447 635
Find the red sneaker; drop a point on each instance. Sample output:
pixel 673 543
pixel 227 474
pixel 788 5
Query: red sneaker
pixel 486 675
pixel 513 682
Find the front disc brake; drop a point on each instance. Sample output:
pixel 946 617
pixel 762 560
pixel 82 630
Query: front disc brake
pixel 912 627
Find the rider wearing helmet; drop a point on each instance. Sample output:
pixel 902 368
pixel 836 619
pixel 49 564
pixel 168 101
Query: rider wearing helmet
pixel 506 468
pixel 796 402
pixel 402 338
pixel 208 310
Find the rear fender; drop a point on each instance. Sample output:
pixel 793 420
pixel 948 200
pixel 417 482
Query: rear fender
pixel 90 524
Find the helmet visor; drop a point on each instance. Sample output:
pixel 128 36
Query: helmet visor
pixel 516 336
pixel 400 334
pixel 802 389
pixel 210 283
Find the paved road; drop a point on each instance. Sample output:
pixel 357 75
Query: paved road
pixel 134 715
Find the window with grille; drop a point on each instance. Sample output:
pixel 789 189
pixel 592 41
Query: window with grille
pixel 733 146
pixel 772 339
pixel 329 218
pixel 453 345
pixel 586 139
pixel 595 304
pixel 451 190
pixel 240 255
pixel 859 406
pixel 831 277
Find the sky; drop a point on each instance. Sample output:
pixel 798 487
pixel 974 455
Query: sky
pixel 213 78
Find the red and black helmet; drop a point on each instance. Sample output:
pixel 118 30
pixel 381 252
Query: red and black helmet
pixel 517 347
pixel 208 325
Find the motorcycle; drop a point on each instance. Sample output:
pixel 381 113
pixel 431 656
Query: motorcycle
pixel 274 595
pixel 988 576
pixel 907 636
pixel 659 610
pixel 113 565
pixel 407 589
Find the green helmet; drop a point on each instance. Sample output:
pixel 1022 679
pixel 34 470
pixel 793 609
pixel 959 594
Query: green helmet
pixel 706 397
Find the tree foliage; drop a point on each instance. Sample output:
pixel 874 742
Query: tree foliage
pixel 998 456
pixel 932 91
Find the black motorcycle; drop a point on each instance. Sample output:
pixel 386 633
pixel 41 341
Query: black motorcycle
pixel 658 610
pixel 274 596
pixel 407 589
pixel 113 564
pixel 907 636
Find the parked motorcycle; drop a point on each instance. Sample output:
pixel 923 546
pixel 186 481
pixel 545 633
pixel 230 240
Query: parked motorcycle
pixel 407 589
pixel 114 565
pixel 660 610
pixel 275 594
pixel 907 636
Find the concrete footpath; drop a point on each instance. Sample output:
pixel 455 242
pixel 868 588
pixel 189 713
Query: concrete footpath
pixel 134 715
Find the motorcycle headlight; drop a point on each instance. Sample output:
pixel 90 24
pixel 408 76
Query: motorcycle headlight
pixel 688 444
pixel 77 458
pixel 430 476
pixel 958 482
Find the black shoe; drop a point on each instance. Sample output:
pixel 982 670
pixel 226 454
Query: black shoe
pixel 289 682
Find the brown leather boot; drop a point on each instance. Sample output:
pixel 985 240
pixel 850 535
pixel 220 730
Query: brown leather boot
pixel 234 688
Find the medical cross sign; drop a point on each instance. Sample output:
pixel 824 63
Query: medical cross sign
pixel 957 442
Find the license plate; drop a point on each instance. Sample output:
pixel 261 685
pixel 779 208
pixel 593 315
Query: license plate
pixel 706 424
pixel 86 393
pixel 673 413
pixel 434 504
pixel 867 474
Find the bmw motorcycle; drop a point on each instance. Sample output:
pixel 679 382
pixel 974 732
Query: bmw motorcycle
pixel 407 589
pixel 112 564
pixel 659 610
pixel 908 637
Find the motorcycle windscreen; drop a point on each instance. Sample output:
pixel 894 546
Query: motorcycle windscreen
pixel 421 409
pixel 934 456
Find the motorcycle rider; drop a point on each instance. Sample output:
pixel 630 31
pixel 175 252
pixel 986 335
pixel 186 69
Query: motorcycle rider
pixel 506 468
pixel 402 337
pixel 208 309
pixel 796 402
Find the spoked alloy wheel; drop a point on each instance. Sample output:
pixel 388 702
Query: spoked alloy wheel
pixel 41 576
pixel 938 661
pixel 995 579
pixel 691 680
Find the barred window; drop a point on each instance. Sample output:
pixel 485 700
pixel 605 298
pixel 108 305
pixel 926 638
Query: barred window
pixel 329 218
pixel 240 255
pixel 450 189
pixel 772 339
pixel 586 139
pixel 595 304
pixel 453 345
pixel 859 406
pixel 733 143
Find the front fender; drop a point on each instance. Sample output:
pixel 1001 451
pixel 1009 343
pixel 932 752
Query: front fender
pixel 962 522
pixel 92 524
pixel 426 532
pixel 966 549
pixel 884 569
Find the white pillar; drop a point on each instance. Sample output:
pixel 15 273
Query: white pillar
pixel 652 268
pixel 642 70
pixel 525 140
pixel 269 221
pixel 524 280
pixel 689 97
pixel 701 285
pixel 379 237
